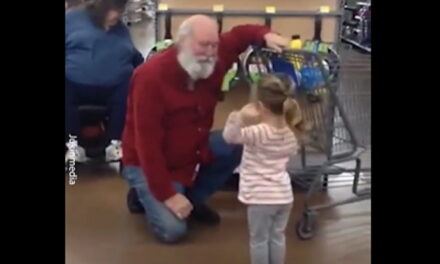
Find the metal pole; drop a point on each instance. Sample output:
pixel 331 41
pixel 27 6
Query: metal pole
pixel 155 21
pixel 338 29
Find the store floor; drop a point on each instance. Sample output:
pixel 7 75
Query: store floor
pixel 100 230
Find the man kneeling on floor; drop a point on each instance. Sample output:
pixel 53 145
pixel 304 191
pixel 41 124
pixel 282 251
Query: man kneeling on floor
pixel 173 163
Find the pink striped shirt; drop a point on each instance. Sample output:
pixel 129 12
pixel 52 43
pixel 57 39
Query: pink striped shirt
pixel 263 175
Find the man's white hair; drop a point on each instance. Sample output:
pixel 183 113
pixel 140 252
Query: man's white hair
pixel 186 27
pixel 184 30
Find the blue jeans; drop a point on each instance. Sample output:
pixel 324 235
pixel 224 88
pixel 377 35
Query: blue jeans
pixel 211 178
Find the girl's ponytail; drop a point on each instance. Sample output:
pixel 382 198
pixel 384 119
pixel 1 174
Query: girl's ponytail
pixel 294 119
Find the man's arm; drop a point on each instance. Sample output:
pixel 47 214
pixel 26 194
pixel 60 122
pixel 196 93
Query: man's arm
pixel 239 38
pixel 149 111
pixel 236 41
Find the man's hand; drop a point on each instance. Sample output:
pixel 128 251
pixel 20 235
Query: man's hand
pixel 250 115
pixel 275 42
pixel 179 205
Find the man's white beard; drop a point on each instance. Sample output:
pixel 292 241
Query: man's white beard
pixel 198 67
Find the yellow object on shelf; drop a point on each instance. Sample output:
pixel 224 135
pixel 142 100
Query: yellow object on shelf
pixel 271 9
pixel 218 8
pixel 324 9
pixel 163 7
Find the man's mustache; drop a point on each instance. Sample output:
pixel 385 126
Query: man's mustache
pixel 206 59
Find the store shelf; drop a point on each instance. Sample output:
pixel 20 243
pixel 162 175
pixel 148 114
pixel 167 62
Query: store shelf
pixel 356 44
pixel 351 8
pixel 363 4
pixel 257 13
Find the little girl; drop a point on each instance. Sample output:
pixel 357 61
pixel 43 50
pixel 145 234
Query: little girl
pixel 269 131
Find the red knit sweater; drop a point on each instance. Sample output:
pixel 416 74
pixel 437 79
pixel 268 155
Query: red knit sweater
pixel 167 126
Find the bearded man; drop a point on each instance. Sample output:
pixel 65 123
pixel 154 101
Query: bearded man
pixel 172 161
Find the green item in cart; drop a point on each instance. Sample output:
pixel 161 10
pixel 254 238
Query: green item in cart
pixel 323 47
pixel 229 78
pixel 164 44
pixel 310 45
pixel 255 77
pixel 254 72
pixel 317 46
pixel 159 46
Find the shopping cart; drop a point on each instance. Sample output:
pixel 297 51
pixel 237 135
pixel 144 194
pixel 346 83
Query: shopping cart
pixel 339 106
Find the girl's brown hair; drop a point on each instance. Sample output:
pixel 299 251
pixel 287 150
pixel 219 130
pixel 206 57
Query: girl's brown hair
pixel 274 92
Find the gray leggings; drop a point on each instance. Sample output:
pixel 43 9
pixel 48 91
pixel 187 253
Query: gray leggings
pixel 267 225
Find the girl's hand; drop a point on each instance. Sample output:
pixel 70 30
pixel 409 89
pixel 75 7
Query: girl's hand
pixel 250 115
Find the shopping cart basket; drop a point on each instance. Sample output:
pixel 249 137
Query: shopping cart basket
pixel 334 147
